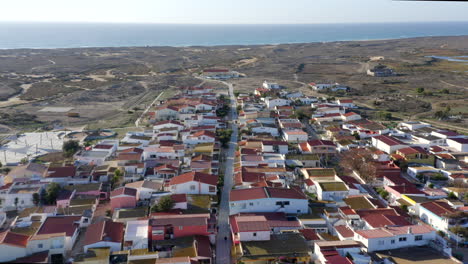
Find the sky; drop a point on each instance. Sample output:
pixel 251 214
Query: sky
pixel 231 11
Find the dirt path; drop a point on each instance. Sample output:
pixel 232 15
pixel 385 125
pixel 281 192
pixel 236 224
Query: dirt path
pixel 454 85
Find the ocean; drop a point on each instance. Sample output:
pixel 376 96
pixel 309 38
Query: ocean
pixel 76 35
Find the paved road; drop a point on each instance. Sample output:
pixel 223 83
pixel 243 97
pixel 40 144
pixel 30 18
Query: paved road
pixel 223 247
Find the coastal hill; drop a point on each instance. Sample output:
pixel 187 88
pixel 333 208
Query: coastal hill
pixel 111 86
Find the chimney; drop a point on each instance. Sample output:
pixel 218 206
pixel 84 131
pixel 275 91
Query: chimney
pixel 409 230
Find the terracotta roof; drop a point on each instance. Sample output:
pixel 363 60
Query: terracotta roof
pixel 59 224
pixel 129 156
pixel 204 133
pixel 309 182
pixel 106 231
pixel 344 231
pixel 58 172
pixel 398 180
pixel 320 142
pixel 13 239
pixel 386 211
pixel 395 231
pixel 180 220
pixel 248 194
pixel 248 223
pixel 349 114
pixel 195 176
pixel 345 101
pixel 309 234
pixel 412 150
pixel 381 220
pixel 406 189
pixel 438 208
pixel 285 193
pixel 391 141
pixel 265 192
pixel 123 191
pixel 179 198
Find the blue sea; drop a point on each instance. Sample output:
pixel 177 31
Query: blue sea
pixel 75 35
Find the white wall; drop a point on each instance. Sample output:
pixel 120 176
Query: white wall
pixel 385 243
pixel 260 236
pixel 200 188
pixel 269 205
pixel 10 253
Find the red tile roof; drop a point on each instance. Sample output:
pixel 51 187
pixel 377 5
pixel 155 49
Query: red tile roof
pixel 248 194
pixel 249 223
pixel 291 193
pixel 406 189
pixel 344 231
pixel 179 198
pixel 180 220
pixel 59 224
pixel 106 231
pixel 395 231
pixel 58 172
pixel 398 180
pixel 39 257
pixel 13 239
pixel 391 141
pixel 381 220
pixel 386 211
pixel 309 234
pixel 438 208
pixel 194 176
pixel 320 142
pixel 123 191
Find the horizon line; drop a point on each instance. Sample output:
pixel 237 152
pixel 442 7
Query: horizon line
pixel 229 24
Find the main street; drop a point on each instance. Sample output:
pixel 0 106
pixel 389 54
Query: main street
pixel 223 239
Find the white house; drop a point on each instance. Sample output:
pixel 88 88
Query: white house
pixel 145 189
pixel 435 214
pixel 57 235
pixel 267 199
pixel 104 234
pixel 295 135
pixel 387 144
pixel 350 116
pixel 250 228
pixel 393 237
pixel 269 85
pixel 272 103
pixel 12 246
pixel 348 103
pixel 458 144
pixel 331 190
pixel 136 235
pixel 200 137
pixel 167 124
pixel 414 171
pixel 194 183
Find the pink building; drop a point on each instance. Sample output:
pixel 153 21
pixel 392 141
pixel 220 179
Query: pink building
pixel 175 225
pixel 123 197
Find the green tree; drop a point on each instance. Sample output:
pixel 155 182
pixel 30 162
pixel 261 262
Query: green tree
pixel 431 185
pixel 452 196
pixel 420 90
pixel 116 178
pixel 70 147
pixel 164 204
pixel 36 199
pixel 52 193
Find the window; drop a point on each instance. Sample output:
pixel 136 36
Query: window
pixel 40 245
pixel 192 187
pixel 392 241
pixel 402 239
pixel 254 234
pixel 251 204
pixel 157 232
pixel 418 238
pixel 212 189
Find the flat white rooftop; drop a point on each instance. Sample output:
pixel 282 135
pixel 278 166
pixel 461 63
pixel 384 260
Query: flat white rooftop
pixel 30 145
